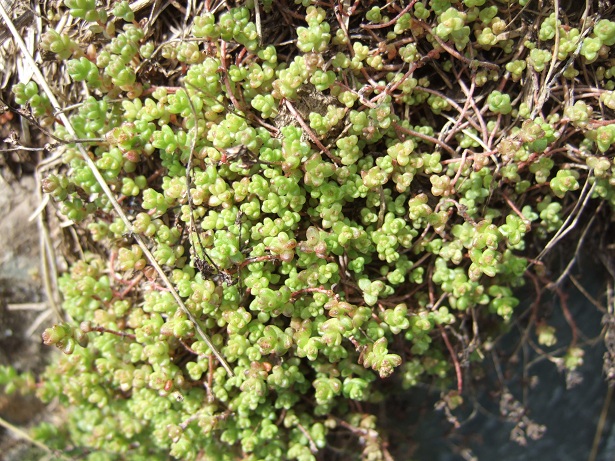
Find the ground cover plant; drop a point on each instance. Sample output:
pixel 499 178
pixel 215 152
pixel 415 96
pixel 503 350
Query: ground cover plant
pixel 283 207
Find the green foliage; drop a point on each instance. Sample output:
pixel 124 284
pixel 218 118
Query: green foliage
pixel 60 44
pixel 86 9
pixel 324 207
pixel 29 94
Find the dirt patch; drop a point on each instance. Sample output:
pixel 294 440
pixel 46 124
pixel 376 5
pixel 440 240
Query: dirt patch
pixel 22 307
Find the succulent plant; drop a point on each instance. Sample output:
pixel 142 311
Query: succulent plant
pixel 328 207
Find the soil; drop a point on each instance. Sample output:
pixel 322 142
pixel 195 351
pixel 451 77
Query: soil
pixel 22 307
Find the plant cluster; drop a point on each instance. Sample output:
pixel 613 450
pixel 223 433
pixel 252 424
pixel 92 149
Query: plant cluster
pixel 360 186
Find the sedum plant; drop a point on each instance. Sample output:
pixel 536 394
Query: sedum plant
pixel 333 204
